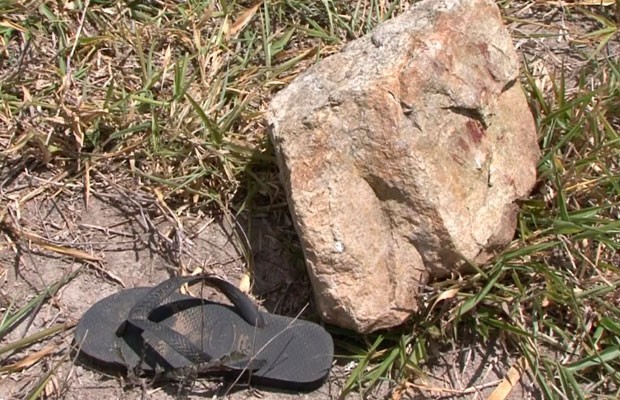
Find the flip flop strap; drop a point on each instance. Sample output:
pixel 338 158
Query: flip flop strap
pixel 201 360
pixel 245 307
pixel 140 312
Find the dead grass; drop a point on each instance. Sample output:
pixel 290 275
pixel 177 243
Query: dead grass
pixel 161 103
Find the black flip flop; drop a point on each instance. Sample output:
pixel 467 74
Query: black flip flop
pixel 161 332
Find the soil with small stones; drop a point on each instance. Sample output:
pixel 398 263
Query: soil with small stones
pixel 139 246
pixel 133 241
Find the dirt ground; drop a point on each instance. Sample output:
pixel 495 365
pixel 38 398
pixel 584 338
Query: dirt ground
pixel 138 247
pixel 133 240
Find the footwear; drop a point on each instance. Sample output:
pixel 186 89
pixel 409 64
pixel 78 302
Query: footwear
pixel 160 332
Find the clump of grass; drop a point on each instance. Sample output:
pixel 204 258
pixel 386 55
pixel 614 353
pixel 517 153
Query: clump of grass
pixel 11 317
pixel 14 315
pixel 171 93
pixel 572 290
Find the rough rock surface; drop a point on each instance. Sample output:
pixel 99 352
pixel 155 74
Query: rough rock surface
pixel 403 155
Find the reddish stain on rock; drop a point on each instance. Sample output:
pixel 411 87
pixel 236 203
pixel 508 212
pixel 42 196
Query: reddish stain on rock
pixel 475 130
pixel 484 49
pixel 462 144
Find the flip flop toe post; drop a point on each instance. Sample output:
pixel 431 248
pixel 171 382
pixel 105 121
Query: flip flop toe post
pixel 160 331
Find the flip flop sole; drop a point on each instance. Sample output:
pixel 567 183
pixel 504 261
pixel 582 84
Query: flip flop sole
pixel 297 354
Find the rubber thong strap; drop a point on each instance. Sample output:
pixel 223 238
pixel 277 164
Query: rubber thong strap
pixel 153 299
pixel 141 311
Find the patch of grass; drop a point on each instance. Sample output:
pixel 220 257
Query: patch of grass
pixel 12 317
pixel 578 280
pixel 169 92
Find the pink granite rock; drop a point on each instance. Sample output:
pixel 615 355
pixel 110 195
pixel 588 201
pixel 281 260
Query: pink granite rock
pixel 403 155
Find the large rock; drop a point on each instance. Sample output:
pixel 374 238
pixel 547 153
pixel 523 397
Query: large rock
pixel 403 155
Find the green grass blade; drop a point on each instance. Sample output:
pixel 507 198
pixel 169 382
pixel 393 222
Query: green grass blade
pixel 609 354
pixel 215 134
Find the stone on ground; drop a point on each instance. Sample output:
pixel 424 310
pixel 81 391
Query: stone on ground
pixel 403 156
